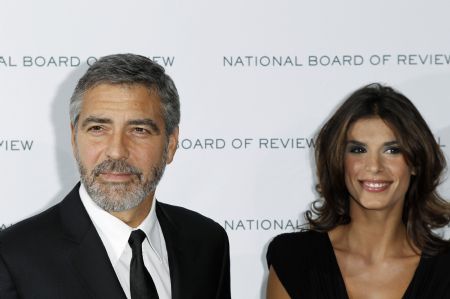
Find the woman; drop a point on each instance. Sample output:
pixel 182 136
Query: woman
pixel 370 236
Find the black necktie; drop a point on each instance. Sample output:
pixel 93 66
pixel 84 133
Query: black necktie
pixel 141 283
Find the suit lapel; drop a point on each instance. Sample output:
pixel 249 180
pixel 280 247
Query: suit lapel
pixel 178 250
pixel 88 256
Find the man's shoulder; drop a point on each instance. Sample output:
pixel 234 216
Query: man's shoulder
pixel 34 230
pixel 40 227
pixel 32 239
pixel 187 219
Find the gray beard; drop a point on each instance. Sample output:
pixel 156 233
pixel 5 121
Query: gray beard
pixel 118 197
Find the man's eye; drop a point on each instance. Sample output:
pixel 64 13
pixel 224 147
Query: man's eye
pixel 140 130
pixel 356 149
pixel 95 129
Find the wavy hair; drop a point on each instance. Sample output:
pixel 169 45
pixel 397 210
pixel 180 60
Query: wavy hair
pixel 424 209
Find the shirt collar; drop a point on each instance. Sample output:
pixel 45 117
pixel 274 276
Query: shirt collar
pixel 116 232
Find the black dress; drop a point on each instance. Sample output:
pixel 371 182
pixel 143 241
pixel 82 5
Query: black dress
pixel 307 267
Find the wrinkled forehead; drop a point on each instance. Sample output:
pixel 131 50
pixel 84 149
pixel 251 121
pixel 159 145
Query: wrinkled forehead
pixel 122 101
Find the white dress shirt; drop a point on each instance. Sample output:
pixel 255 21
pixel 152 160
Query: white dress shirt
pixel 115 233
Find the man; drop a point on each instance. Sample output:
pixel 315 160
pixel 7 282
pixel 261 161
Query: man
pixel 110 238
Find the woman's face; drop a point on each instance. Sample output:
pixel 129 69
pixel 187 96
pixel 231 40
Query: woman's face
pixel 376 174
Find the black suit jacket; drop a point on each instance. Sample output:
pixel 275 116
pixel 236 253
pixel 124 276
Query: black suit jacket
pixel 59 254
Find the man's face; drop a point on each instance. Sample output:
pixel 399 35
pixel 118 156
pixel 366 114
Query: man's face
pixel 120 145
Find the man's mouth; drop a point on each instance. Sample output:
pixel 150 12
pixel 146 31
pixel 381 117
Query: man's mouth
pixel 116 176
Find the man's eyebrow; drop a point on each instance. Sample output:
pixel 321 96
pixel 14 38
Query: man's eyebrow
pixel 95 119
pixel 145 122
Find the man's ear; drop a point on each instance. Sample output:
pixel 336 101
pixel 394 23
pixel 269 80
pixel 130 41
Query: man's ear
pixel 73 132
pixel 172 145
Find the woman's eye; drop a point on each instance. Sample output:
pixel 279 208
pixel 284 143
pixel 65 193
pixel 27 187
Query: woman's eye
pixel 356 149
pixel 393 150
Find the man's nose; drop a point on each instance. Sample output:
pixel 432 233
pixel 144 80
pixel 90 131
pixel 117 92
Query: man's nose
pixel 117 147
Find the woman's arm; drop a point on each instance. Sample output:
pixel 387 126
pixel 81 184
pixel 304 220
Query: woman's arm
pixel 275 289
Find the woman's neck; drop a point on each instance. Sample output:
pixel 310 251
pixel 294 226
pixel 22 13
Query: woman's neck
pixel 375 235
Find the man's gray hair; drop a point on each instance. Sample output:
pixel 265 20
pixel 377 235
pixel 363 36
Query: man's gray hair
pixel 129 69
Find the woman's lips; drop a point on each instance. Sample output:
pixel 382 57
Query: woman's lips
pixel 375 186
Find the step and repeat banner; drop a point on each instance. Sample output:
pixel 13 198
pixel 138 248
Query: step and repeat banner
pixel 256 81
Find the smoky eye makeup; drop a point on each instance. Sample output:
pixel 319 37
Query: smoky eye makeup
pixel 355 147
pixel 393 149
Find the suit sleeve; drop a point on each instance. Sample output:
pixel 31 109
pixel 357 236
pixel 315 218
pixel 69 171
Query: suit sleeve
pixel 224 291
pixel 7 286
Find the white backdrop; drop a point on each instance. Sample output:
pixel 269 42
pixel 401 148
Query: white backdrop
pixel 256 80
